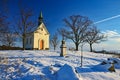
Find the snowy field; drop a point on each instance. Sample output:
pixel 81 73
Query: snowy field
pixel 48 65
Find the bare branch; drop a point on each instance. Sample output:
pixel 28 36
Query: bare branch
pixel 54 41
pixel 94 36
pixel 24 23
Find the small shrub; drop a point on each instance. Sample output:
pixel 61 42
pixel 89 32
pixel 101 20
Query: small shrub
pixel 3 47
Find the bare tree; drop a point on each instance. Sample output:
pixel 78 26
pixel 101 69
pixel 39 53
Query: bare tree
pixel 6 35
pixel 76 28
pixel 94 36
pixel 6 32
pixel 25 23
pixel 3 26
pixel 9 39
pixel 54 41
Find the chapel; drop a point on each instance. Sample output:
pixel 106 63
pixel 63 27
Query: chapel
pixel 39 38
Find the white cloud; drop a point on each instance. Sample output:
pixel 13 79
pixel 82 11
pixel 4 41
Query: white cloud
pixel 113 40
pixel 112 35
pixel 118 39
pixel 109 33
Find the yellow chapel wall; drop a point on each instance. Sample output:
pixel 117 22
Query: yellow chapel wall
pixel 41 34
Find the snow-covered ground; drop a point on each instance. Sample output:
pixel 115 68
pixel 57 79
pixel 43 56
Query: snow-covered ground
pixel 48 65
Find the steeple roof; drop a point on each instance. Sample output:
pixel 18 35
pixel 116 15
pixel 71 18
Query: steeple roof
pixel 41 16
pixel 40 19
pixel 40 23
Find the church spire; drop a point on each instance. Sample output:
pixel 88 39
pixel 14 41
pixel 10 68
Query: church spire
pixel 40 19
pixel 41 15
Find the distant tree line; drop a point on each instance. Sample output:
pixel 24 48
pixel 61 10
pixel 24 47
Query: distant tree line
pixel 4 47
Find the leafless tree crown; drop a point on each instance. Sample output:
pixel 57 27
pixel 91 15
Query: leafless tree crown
pixel 76 28
pixel 54 40
pixel 94 36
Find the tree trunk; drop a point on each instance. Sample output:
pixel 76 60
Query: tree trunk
pixel 91 48
pixel 76 44
pixel 24 40
pixel 23 44
pixel 54 48
pixel 9 44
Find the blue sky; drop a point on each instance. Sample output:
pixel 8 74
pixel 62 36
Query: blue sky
pixel 97 10
pixel 54 11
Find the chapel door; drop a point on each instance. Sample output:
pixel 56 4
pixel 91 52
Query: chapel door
pixel 41 44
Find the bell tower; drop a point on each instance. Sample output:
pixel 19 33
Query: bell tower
pixel 40 19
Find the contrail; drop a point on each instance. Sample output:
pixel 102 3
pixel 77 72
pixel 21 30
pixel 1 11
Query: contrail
pixel 107 19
